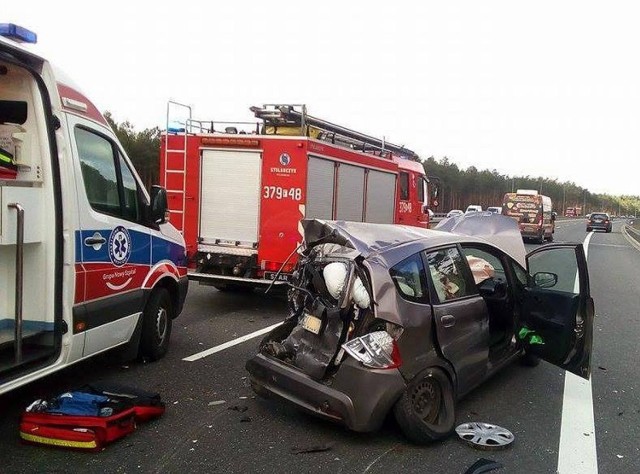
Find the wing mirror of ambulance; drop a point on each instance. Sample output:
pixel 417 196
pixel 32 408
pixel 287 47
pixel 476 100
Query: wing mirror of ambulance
pixel 158 204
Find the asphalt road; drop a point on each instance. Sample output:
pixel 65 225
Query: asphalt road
pixel 201 432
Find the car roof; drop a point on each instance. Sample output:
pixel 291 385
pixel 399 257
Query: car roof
pixel 393 242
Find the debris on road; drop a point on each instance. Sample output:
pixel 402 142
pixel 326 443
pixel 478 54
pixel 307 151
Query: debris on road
pixel 217 402
pixel 240 408
pixel 245 419
pixel 312 449
pixel 483 465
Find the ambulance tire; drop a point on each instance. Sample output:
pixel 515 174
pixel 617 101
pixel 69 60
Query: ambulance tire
pixel 156 325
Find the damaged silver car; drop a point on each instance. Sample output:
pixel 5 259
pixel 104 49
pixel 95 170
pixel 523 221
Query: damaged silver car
pixel 393 318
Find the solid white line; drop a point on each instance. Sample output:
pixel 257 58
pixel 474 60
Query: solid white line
pixel 577 452
pixel 226 345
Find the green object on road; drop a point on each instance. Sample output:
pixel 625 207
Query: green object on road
pixel 530 336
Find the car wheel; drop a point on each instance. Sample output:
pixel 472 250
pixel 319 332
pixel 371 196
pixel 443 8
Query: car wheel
pixel 156 325
pixel 588 229
pixel 426 409
pixel 529 360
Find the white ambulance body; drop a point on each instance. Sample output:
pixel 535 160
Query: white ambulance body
pixel 87 259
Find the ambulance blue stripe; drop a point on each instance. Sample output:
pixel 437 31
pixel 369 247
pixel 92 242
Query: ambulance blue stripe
pixel 142 244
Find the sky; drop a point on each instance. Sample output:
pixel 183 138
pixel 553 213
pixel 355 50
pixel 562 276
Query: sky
pixel 542 88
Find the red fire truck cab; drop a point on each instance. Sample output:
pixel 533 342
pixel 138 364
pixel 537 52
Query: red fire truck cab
pixel 238 195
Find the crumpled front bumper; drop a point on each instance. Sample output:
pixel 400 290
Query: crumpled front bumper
pixel 358 397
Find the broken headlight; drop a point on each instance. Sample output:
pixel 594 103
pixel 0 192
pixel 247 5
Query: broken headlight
pixel 377 350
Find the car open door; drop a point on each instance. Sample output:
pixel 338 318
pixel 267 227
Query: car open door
pixel 557 316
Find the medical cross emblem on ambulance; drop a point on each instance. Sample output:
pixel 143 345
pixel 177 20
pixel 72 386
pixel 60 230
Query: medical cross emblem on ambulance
pixel 119 246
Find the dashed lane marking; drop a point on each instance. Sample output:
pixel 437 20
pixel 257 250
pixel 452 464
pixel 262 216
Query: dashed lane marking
pixel 226 345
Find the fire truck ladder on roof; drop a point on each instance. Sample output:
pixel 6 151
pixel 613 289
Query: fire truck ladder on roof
pixel 177 128
pixel 285 115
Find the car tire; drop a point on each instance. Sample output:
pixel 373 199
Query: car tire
pixel 156 325
pixel 426 409
pixel 529 360
pixel 589 229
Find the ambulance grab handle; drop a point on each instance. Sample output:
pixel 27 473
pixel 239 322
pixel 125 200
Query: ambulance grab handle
pixel 19 275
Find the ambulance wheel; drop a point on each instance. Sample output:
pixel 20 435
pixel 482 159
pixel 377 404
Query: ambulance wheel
pixel 156 325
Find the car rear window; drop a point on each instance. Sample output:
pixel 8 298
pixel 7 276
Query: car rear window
pixel 599 216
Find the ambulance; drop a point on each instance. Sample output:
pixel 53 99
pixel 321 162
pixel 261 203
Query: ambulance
pixel 238 191
pixel 88 260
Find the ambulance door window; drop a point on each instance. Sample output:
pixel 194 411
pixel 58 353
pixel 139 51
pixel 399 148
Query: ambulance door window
pixel 130 204
pixel 98 172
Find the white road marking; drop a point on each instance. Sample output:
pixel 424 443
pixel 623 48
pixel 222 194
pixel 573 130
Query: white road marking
pixel 577 452
pixel 226 345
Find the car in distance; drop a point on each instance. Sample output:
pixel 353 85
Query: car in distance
pixel 454 212
pixel 387 318
pixel 473 208
pixel 599 220
pixel 494 209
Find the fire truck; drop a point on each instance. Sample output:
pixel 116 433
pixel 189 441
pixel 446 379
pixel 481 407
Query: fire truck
pixel 237 191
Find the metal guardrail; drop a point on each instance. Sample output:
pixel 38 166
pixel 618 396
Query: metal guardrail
pixel 633 229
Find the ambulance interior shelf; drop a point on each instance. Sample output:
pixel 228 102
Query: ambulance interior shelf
pixel 16 152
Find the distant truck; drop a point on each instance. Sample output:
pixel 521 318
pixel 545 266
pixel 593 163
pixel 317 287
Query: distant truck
pixel 533 212
pixel 573 212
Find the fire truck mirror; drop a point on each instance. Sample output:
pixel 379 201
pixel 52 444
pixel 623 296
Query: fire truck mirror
pixel 158 204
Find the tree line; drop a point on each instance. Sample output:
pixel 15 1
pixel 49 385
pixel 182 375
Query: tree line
pixel 457 187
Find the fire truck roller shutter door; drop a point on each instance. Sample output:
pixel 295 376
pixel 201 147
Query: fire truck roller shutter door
pixel 380 197
pixel 230 195
pixel 350 193
pixel 320 189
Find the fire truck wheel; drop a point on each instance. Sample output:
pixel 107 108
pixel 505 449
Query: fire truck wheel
pixel 156 325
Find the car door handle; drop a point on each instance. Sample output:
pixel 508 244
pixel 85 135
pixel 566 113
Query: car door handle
pixel 95 239
pixel 448 321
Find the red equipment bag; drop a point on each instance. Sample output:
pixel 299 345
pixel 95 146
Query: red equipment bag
pixel 90 417
pixel 90 433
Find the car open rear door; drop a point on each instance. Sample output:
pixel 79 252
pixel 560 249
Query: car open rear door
pixel 557 316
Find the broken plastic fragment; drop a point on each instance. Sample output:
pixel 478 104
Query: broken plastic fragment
pixel 483 465
pixel 216 402
pixel 312 449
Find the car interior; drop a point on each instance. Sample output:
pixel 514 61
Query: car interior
pixel 491 280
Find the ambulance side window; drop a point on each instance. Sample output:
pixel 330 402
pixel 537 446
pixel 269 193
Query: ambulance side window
pixel 130 204
pixel 109 184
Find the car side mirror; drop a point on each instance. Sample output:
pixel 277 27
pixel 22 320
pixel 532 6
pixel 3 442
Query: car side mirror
pixel 545 279
pixel 158 204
